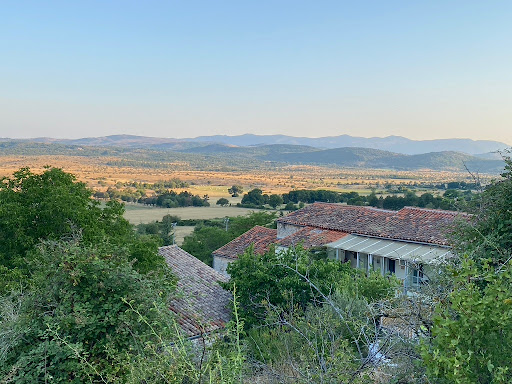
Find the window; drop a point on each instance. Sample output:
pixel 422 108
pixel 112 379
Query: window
pixel 417 276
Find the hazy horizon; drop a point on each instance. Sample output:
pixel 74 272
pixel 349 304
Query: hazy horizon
pixel 242 134
pixel 424 71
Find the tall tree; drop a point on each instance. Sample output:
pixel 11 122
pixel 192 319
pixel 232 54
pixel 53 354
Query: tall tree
pixel 236 190
pixel 489 234
pixel 275 200
pixel 53 205
pixel 472 332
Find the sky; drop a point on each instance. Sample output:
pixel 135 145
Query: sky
pixel 419 69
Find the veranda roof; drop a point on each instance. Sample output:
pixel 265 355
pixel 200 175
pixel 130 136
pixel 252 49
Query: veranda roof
pixel 392 249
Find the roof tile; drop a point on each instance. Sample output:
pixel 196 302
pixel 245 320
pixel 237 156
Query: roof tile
pixel 259 237
pixel 409 223
pixel 202 305
pixel 310 237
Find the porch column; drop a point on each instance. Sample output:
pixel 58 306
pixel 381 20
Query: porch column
pixel 370 262
pixel 382 265
pixel 406 280
pixel 358 265
pixel 337 254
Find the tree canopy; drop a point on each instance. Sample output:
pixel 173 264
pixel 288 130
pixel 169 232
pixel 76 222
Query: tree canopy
pixel 222 201
pixel 236 190
pixel 472 333
pixel 277 279
pixel 53 205
pixel 255 197
pixel 488 236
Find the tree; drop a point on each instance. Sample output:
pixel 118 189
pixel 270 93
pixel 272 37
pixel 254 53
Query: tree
pixel 255 197
pixel 275 200
pixel 241 224
pixel 222 202
pixel 204 240
pixel 163 230
pixel 277 279
pixel 488 235
pixel 290 206
pixel 79 321
pixel 309 320
pixel 472 333
pixel 53 206
pixel 236 190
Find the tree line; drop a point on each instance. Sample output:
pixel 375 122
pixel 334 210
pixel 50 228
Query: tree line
pixel 451 199
pixel 163 198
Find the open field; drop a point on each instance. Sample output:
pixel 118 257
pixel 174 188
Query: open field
pixel 98 175
pixel 137 214
pixel 181 232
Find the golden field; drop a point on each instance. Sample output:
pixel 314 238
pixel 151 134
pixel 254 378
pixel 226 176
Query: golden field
pixel 215 183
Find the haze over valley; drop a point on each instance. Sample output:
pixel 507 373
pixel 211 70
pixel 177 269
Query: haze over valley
pixel 373 153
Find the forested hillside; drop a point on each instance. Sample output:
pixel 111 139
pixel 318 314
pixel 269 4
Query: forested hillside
pixel 390 143
pixel 219 156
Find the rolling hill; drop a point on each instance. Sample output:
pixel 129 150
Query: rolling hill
pixel 395 144
pixel 220 156
pixel 391 143
pixel 375 158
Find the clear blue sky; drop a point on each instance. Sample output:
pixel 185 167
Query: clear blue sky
pixel 420 69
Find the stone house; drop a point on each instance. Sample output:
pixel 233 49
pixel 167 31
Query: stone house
pixel 403 243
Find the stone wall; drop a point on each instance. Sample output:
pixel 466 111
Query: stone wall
pixel 284 230
pixel 220 264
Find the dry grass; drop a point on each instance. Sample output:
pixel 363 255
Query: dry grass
pixel 181 232
pixel 215 183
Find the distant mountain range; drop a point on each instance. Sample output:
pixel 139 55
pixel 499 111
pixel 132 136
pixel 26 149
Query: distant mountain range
pixel 396 144
pixel 229 150
pixel 391 143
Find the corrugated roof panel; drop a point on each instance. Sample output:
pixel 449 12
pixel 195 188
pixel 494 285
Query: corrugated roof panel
pixel 390 248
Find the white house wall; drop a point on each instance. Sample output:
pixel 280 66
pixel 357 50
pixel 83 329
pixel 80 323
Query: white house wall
pixel 220 264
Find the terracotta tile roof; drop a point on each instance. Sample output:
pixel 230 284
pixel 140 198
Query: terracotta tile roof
pixel 413 224
pixel 259 237
pixel 201 306
pixel 311 237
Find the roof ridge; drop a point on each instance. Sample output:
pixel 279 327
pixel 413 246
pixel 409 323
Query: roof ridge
pixel 432 210
pixel 261 226
pixel 353 206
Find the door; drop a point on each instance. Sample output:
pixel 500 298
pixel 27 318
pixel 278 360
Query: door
pixel 391 266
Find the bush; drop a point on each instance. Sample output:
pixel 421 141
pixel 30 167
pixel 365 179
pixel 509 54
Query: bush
pixel 222 202
pixel 79 322
pixel 290 207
